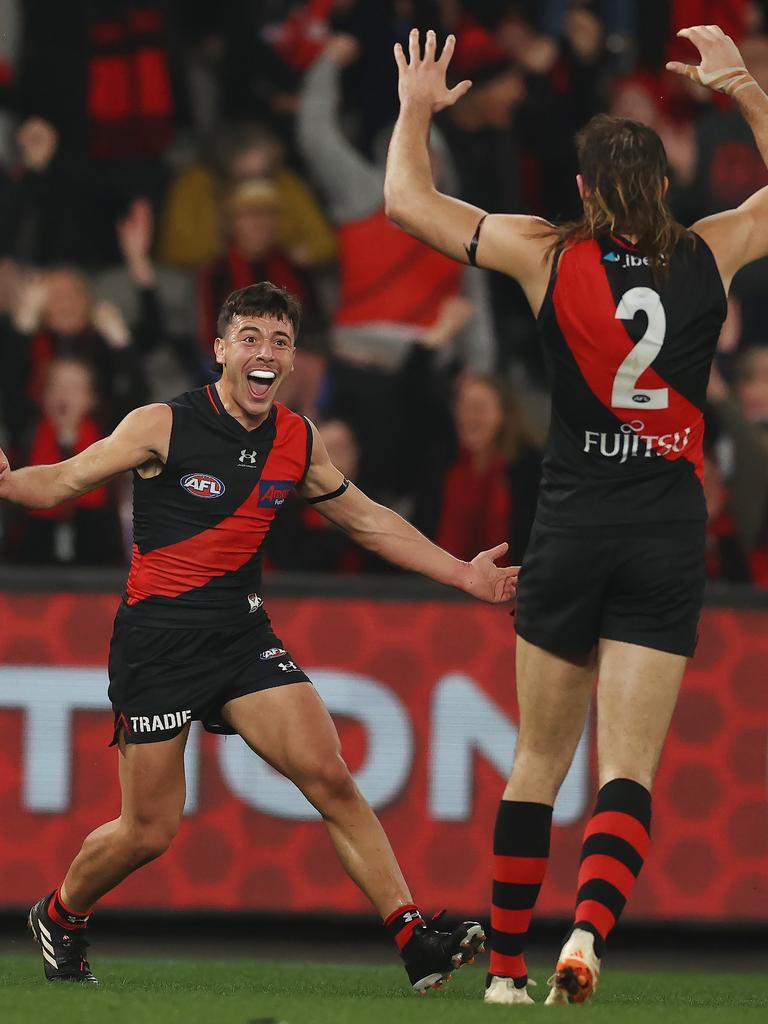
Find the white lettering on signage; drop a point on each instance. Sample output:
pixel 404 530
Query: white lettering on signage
pixel 466 724
pixel 383 775
pixel 48 696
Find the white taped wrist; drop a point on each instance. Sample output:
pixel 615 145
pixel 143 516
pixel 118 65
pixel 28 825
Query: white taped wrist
pixel 726 80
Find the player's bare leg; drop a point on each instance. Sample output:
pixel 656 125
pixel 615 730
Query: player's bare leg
pixel 290 727
pixel 553 696
pixel 636 696
pixel 153 793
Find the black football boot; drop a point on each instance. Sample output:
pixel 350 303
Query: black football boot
pixel 63 950
pixel 431 956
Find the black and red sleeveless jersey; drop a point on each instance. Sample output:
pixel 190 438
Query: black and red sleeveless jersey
pixel 628 354
pixel 200 524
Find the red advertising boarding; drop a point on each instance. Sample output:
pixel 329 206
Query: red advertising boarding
pixel 423 693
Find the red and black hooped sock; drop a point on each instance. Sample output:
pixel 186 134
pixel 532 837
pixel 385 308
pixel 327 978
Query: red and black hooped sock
pixel 61 915
pixel 616 842
pixel 402 923
pixel 520 855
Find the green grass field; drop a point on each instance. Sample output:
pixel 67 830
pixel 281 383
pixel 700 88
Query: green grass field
pixel 136 991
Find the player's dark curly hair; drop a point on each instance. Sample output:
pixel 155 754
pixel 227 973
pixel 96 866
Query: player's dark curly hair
pixel 262 299
pixel 623 164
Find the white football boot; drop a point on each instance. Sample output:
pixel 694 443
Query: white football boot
pixel 577 972
pixel 503 992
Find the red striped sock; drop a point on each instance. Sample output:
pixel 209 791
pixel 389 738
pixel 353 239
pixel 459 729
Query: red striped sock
pixel 402 923
pixel 616 842
pixel 520 855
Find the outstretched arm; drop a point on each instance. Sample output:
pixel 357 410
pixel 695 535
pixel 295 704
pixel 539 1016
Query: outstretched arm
pixel 141 438
pixel 388 535
pixel 514 244
pixel 739 236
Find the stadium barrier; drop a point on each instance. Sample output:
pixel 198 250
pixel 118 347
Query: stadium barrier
pixel 421 685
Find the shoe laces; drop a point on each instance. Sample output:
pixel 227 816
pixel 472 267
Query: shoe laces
pixel 73 953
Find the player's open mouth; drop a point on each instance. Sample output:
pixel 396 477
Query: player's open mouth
pixel 260 381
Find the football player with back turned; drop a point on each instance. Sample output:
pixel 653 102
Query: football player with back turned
pixel 192 640
pixel 629 306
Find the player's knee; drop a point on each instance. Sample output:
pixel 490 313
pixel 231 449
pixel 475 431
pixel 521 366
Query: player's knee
pixel 150 839
pixel 328 780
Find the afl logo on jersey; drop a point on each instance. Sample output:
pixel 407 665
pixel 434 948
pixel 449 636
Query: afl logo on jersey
pixel 202 485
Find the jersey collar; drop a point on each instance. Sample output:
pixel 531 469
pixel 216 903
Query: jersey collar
pixel 229 421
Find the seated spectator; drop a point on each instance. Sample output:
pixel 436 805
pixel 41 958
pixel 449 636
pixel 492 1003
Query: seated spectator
pixel 55 316
pixel 193 228
pixel 303 539
pixel 86 530
pixel 254 254
pixel 485 491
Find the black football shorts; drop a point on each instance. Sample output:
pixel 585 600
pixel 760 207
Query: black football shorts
pixel 162 677
pixel 642 584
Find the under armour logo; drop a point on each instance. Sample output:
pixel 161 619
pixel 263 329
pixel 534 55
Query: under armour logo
pixel 288 666
pixel 248 458
pixel 411 915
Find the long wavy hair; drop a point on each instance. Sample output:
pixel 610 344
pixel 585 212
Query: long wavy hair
pixel 624 166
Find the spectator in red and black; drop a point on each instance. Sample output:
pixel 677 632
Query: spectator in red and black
pixel 55 317
pixel 485 490
pixel 394 291
pixel 86 530
pixel 114 97
pixel 301 538
pixel 726 557
pixel 253 254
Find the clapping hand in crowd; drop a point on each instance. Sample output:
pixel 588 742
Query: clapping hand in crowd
pixel 110 323
pixel 31 299
pixel 455 313
pixel 342 48
pixel 134 235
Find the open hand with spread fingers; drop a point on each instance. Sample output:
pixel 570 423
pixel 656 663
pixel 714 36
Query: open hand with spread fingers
pixel 722 66
pixel 422 79
pixel 489 582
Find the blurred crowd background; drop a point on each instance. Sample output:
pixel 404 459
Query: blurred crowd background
pixel 155 156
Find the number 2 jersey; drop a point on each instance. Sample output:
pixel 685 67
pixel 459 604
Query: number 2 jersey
pixel 628 354
pixel 200 524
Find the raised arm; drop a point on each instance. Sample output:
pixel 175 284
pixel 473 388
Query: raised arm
pixel 388 535
pixel 739 236
pixel 351 183
pixel 140 440
pixel 514 244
